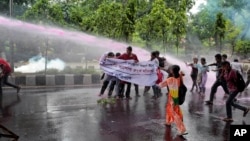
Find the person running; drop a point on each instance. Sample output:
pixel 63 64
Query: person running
pixel 220 81
pixel 173 110
pixel 194 73
pixel 230 75
pixel 6 72
pixel 128 56
pixel 202 76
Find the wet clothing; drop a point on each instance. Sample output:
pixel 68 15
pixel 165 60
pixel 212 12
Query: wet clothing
pixel 6 71
pixel 173 110
pixel 202 77
pixel 125 56
pixel 194 71
pixel 6 66
pixel 237 66
pixel 119 85
pixel 220 81
pixel 231 77
pixel 248 78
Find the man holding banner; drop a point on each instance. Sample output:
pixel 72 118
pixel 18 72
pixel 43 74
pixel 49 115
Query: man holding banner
pixel 128 56
pixel 126 70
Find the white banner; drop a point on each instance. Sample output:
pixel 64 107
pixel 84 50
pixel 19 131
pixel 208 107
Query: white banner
pixel 141 73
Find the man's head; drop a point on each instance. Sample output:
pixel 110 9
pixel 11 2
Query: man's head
pixel 203 61
pixel 236 60
pixel 195 60
pixel 224 57
pixel 129 50
pixel 153 55
pixel 218 57
pixel 226 65
pixel 157 53
pixel 117 54
pixel 111 55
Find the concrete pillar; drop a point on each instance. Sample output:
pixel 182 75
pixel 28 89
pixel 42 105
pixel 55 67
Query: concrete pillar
pixel 30 80
pixel 69 79
pixel 50 80
pixel 87 79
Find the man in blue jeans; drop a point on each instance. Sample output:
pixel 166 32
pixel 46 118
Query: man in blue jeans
pixel 230 76
pixel 219 80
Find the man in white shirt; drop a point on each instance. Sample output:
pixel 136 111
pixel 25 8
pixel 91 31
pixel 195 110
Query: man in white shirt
pixel 236 65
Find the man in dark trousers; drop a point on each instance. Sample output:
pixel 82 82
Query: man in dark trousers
pixel 220 81
pixel 6 71
pixel 230 76
pixel 128 56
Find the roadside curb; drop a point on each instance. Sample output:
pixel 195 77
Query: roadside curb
pixel 60 80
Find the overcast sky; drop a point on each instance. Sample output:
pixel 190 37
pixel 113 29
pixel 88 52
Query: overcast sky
pixel 195 8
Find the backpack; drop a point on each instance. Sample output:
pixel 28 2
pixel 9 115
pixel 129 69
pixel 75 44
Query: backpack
pixel 240 83
pixel 182 92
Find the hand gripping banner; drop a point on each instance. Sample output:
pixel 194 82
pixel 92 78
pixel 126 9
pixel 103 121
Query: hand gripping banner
pixel 141 73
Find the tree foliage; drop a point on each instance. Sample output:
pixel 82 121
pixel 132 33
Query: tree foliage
pixel 157 23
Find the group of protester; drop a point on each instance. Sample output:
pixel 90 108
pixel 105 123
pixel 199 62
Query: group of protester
pixel 119 85
pixel 173 111
pixel 5 72
pixel 226 76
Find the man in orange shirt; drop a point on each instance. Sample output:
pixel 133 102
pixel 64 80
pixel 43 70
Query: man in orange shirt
pixel 6 71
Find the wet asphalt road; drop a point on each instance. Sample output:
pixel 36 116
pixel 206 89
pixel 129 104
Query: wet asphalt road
pixel 72 114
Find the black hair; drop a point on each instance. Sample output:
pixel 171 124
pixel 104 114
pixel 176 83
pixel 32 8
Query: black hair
pixel 218 56
pixel 176 70
pixel 236 60
pixel 225 63
pixel 129 48
pixel 203 59
pixel 157 53
pixel 154 54
pixel 111 54
pixel 224 55
pixel 118 54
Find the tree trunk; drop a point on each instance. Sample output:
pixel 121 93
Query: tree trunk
pixel 220 44
pixel 12 55
pixel 177 44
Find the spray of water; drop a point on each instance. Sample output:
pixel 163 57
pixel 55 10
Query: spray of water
pixel 37 64
pixel 95 45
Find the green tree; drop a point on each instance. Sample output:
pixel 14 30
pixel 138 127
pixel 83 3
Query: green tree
pixel 180 22
pixel 19 7
pixel 108 19
pixel 46 12
pixel 243 48
pixel 220 29
pixel 232 35
pixel 156 26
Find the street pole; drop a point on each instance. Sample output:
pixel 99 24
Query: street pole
pixel 46 56
pixel 11 7
pixel 11 42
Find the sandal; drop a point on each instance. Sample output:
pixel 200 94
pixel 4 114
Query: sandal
pixel 228 120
